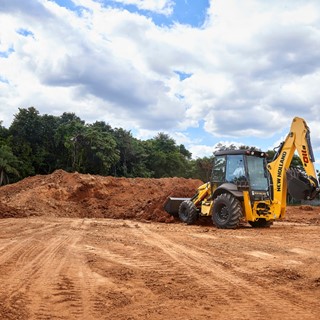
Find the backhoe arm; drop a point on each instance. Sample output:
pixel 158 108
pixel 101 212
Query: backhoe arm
pixel 301 186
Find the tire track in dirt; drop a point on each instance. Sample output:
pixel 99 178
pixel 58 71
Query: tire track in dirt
pixel 204 270
pixel 121 269
pixel 168 270
pixel 183 265
pixel 48 258
pixel 137 275
pixel 71 285
pixel 235 288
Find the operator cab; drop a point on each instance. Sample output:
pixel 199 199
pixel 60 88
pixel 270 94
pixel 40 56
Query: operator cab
pixel 244 168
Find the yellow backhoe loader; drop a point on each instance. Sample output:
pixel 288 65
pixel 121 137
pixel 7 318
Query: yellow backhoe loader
pixel 244 186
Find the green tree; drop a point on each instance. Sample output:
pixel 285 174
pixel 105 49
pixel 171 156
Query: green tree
pixel 3 133
pixel 25 140
pixel 43 143
pixel 98 150
pixel 165 158
pixel 138 164
pixel 133 156
pixel 85 148
pixel 9 165
pixel 47 150
pixel 184 152
pixel 201 168
pixel 31 138
pixel 222 147
pixel 67 139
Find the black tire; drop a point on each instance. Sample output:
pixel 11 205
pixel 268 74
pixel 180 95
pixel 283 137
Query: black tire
pixel 261 223
pixel 188 212
pixel 227 211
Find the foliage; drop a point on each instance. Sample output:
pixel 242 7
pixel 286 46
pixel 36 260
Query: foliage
pixel 133 156
pixel 40 144
pixel 202 168
pixel 44 143
pixel 222 147
pixel 9 165
pixel 165 158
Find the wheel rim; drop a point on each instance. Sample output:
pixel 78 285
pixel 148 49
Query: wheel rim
pixel 183 213
pixel 223 213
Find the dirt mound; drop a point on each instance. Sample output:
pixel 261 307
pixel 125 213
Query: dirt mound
pixel 10 212
pixel 63 194
pixel 303 214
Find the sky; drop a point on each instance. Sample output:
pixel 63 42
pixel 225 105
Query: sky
pixel 204 72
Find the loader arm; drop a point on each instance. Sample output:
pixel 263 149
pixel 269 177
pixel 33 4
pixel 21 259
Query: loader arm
pixel 304 186
pixel 172 204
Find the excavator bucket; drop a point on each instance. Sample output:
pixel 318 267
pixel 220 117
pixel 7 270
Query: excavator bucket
pixel 172 205
pixel 299 186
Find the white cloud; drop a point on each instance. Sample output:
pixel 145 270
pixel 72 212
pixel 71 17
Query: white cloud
pixel 252 66
pixel 159 6
pixel 200 151
pixel 64 57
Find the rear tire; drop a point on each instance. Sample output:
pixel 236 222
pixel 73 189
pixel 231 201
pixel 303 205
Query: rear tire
pixel 188 212
pixel 261 223
pixel 227 211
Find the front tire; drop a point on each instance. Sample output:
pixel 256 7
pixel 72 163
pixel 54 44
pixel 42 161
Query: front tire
pixel 188 212
pixel 227 211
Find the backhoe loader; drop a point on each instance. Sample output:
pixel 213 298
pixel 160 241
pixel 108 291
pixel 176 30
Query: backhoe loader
pixel 244 186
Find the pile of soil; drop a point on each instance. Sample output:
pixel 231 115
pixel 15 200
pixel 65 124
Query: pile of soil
pixel 303 214
pixel 63 194
pixel 10 212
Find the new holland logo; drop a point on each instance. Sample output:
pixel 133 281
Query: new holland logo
pixel 280 169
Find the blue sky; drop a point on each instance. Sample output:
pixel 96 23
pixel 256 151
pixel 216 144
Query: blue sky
pixel 188 12
pixel 205 72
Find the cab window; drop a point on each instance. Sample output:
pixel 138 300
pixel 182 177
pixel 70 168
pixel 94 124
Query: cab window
pixel 257 173
pixel 235 168
pixel 219 168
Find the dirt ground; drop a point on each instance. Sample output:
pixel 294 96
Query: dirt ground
pixel 86 247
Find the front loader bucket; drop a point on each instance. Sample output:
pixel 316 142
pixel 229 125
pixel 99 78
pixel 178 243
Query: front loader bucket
pixel 299 186
pixel 172 205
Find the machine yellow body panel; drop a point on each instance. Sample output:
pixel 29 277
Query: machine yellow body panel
pixel 259 206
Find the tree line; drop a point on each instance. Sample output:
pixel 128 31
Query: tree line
pixel 40 144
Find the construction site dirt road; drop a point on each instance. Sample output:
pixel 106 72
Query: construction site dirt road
pixel 63 256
